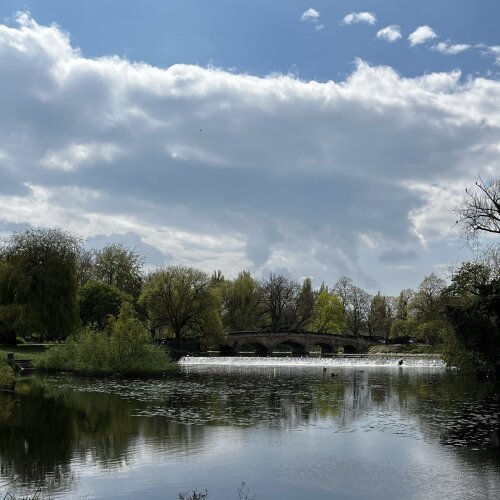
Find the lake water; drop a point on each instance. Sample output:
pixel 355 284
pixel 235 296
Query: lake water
pixel 286 427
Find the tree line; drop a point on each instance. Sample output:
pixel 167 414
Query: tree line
pixel 51 286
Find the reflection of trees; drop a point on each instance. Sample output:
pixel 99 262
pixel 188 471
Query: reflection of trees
pixel 35 440
pixel 52 424
pixel 45 428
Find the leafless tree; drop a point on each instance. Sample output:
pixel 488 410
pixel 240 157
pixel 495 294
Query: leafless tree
pixel 480 209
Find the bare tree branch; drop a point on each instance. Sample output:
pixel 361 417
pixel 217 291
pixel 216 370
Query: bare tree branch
pixel 480 210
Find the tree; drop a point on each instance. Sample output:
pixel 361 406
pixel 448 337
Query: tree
pixel 279 295
pixel 304 306
pixel 403 328
pixel 121 267
pixel 480 209
pixel 472 307
pixel 404 299
pixel 98 301
pixel 379 319
pixel 84 266
pixel 181 299
pixel 242 306
pixel 427 304
pixel 356 304
pixel 329 315
pixel 38 283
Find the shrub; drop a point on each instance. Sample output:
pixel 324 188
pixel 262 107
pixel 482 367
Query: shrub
pixel 123 347
pixel 7 375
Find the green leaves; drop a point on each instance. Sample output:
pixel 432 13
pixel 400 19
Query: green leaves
pixel 329 315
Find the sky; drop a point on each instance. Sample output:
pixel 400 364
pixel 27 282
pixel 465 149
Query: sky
pixel 319 139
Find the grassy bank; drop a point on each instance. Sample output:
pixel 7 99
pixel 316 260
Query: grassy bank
pixel 23 351
pixel 420 349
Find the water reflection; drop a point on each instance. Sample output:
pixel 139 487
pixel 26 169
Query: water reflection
pixel 58 427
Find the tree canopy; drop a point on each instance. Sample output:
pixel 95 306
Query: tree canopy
pixel 120 267
pixel 38 283
pixel 182 300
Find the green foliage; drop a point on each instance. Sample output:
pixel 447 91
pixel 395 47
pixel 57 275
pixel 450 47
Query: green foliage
pixel 432 332
pixel 404 300
pixel 181 300
pixel 118 266
pixel 379 319
pixel 125 347
pixel 329 315
pixel 356 304
pixel 473 309
pixel 38 284
pixel 242 307
pixel 427 304
pixel 403 328
pixel 98 301
pixel 7 375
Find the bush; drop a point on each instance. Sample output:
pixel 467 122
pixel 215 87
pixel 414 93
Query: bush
pixel 123 347
pixel 7 375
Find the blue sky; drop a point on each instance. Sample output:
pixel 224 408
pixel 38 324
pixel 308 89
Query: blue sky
pixel 260 37
pixel 313 138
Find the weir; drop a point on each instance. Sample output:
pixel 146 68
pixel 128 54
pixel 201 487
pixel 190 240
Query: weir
pixel 333 362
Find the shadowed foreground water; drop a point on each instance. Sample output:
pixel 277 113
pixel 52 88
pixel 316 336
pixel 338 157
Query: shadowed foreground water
pixel 289 432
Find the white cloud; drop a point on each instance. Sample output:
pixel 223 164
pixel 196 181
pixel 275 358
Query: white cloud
pixel 493 50
pixel 232 171
pixel 360 17
pixel 450 49
pixel 310 15
pixel 76 155
pixel 389 33
pixel 421 35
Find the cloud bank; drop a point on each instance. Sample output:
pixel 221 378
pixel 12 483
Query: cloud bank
pixel 232 171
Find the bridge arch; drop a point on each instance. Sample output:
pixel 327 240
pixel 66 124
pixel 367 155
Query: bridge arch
pixel 326 348
pixel 349 349
pixel 297 348
pixel 257 347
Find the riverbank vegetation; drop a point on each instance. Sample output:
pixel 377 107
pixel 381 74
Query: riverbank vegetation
pixel 122 347
pixel 7 375
pixel 108 310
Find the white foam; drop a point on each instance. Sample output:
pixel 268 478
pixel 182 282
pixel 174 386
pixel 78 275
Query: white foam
pixel 340 361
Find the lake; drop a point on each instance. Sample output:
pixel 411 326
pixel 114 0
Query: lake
pixel 343 428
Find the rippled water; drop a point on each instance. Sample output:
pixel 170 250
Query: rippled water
pixel 288 428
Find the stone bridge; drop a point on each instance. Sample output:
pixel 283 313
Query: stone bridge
pixel 263 343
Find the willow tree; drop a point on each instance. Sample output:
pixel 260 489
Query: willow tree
pixel 38 289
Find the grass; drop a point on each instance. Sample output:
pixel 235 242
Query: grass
pixel 23 351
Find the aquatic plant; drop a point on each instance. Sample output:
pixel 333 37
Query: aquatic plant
pixel 243 494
